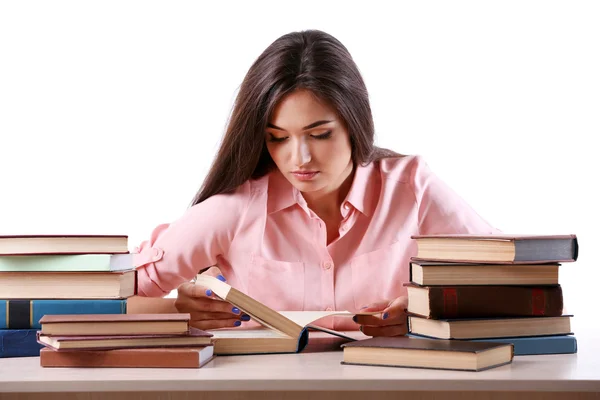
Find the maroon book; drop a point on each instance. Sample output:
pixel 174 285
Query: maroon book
pixel 451 302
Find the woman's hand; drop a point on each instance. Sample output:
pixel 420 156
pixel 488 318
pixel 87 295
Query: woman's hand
pixel 392 320
pixel 207 311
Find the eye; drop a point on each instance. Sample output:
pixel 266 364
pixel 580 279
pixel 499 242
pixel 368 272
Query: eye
pixel 274 139
pixel 323 136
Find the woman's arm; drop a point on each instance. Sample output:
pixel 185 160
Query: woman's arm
pixel 150 305
pixel 176 252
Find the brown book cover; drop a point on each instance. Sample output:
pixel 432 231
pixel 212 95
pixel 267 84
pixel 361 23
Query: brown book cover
pixel 451 302
pixel 490 328
pixel 50 319
pixel 500 248
pixel 405 342
pixel 128 358
pixel 114 324
pixel 194 338
pixel 439 273
pixel 426 353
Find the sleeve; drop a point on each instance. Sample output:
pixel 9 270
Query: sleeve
pixel 441 210
pixel 176 252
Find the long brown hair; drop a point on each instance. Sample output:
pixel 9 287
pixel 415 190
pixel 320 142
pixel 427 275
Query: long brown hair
pixel 312 60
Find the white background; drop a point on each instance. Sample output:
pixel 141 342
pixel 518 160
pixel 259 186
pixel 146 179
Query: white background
pixel 111 111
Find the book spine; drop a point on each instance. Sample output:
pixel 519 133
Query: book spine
pixel 525 346
pixel 123 358
pixel 26 314
pixel 494 301
pixel 19 343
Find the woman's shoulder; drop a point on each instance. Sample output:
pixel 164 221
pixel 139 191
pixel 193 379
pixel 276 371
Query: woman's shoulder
pixel 241 196
pixel 401 168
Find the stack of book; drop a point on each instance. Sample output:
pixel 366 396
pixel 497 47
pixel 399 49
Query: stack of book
pixel 56 275
pixel 493 288
pixel 123 341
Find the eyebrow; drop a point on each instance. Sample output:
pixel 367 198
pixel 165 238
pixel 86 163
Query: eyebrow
pixel 313 125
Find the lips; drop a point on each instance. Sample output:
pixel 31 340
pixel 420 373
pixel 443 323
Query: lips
pixel 305 175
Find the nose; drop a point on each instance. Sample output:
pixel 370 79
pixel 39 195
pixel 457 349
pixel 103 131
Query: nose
pixel 301 153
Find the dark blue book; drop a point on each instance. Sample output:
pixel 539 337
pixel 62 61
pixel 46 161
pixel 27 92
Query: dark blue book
pixel 26 314
pixel 532 345
pixel 19 343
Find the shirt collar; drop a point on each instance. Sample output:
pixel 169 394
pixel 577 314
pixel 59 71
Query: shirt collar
pixel 362 195
pixel 364 190
pixel 281 193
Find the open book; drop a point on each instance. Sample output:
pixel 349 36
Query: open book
pixel 283 332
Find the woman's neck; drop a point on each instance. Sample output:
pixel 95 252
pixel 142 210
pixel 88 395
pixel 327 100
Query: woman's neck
pixel 326 203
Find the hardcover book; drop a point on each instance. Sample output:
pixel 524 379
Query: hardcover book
pixel 63 244
pixel 497 249
pixel 402 351
pixel 451 302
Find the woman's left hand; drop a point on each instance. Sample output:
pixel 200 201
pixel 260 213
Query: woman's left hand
pixel 391 321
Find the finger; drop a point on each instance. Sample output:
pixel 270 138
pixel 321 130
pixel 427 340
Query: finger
pixel 392 312
pixel 391 330
pixel 215 324
pixel 381 319
pixel 377 306
pixel 397 308
pixel 390 315
pixel 189 289
pixel 207 315
pixel 213 271
pixel 209 305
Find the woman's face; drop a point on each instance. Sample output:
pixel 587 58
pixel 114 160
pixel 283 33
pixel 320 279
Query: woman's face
pixel 309 143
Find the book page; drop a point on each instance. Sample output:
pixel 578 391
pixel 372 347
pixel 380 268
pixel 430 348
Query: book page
pixel 299 318
pixel 304 318
pixel 248 333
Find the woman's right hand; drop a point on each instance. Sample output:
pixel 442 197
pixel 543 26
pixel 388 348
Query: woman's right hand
pixel 207 311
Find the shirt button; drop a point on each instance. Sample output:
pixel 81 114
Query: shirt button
pixel 327 265
pixel 346 206
pixel 328 309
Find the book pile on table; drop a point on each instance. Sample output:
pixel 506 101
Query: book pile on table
pixel 123 341
pixel 493 288
pixel 59 274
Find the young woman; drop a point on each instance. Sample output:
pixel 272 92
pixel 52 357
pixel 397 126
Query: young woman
pixel 299 209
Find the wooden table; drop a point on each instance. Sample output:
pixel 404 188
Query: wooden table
pixel 310 375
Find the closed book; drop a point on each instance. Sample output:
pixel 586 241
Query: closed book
pixel 115 324
pixel 534 345
pixel 195 357
pixel 67 263
pixel 193 338
pixel 436 273
pixel 19 343
pixel 497 249
pixel 67 285
pixel 63 244
pixel 538 345
pixel 402 351
pixel 448 302
pixel 482 328
pixel 26 314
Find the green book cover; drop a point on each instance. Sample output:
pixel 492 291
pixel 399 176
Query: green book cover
pixel 66 263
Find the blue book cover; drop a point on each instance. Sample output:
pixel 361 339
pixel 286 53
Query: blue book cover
pixel 26 314
pixel 532 345
pixel 19 343
pixel 537 345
